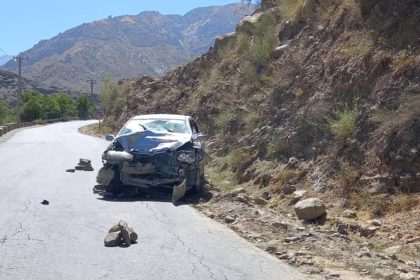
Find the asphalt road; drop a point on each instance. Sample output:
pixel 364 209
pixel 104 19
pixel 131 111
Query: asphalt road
pixel 64 240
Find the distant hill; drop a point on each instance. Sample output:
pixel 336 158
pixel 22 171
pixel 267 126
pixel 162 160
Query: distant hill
pixel 9 87
pixel 4 59
pixel 128 46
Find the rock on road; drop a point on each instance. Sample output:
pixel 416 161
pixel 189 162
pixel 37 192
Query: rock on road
pixel 64 240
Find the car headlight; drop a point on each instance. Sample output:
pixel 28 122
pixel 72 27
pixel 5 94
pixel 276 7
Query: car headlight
pixel 186 157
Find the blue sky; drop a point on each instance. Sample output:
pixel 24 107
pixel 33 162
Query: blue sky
pixel 23 23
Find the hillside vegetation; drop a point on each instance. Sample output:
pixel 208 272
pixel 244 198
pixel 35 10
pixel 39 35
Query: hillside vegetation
pixel 333 84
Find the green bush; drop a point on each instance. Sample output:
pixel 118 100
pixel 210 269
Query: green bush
pixel 243 43
pixel 344 123
pixel 263 45
pixel 84 106
pixel 36 106
pixel 6 114
pixel 112 100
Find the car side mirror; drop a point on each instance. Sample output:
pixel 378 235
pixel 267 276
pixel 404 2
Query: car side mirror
pixel 109 137
pixel 200 137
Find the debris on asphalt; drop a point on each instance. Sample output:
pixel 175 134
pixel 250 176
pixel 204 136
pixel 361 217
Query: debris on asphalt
pixel 84 165
pixel 45 202
pixel 120 235
pixel 71 170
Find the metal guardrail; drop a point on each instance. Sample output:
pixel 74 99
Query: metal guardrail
pixel 11 126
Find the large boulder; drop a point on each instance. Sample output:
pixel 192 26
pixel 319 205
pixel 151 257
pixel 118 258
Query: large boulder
pixel 310 209
pixel 224 42
pixel 248 24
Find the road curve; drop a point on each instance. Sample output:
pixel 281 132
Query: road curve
pixel 64 240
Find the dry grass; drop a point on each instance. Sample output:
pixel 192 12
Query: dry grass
pixel 359 44
pixel 238 158
pixel 263 44
pixel 208 80
pixel 375 206
pixel 219 175
pixel 379 116
pixel 290 9
pixel 403 60
pixel 344 123
pixel 348 178
pixel 285 176
pixel 243 44
pixel 278 146
pixel 405 203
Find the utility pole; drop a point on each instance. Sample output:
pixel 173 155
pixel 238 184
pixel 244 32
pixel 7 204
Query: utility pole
pixel 92 83
pixel 19 60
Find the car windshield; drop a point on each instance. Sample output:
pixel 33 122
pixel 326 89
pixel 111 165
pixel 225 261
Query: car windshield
pixel 154 125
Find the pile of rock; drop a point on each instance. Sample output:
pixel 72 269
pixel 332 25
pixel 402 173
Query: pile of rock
pixel 85 165
pixel 120 235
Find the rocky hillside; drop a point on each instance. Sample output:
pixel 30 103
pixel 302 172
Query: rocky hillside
pixel 319 97
pixel 9 87
pixel 128 46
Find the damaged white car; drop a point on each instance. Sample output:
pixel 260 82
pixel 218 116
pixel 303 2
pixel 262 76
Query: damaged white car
pixel 155 151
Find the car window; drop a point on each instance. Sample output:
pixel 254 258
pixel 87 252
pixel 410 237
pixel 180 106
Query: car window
pixel 194 127
pixel 155 125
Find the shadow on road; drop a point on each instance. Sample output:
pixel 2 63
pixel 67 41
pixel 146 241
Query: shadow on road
pixel 157 195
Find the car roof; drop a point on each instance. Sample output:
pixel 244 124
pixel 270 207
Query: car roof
pixel 160 116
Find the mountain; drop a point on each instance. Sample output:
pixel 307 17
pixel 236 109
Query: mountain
pixel 9 87
pixel 308 99
pixel 4 59
pixel 127 46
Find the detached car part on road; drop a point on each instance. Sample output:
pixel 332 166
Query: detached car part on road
pixel 155 151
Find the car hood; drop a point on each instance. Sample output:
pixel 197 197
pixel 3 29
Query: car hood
pixel 148 141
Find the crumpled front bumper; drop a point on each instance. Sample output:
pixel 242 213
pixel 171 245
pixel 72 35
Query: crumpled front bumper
pixel 144 183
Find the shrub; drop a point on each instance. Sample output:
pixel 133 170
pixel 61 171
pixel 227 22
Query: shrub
pixel 263 45
pixel 278 146
pixel 360 43
pixel 84 107
pixel 249 75
pixel 405 203
pixel 112 100
pixel 290 9
pixel 229 121
pixel 379 116
pixel 347 178
pixel 36 106
pixel 402 60
pixel 243 43
pixel 238 159
pixel 344 123
pixel 6 114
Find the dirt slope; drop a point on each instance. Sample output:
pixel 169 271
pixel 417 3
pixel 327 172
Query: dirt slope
pixel 333 84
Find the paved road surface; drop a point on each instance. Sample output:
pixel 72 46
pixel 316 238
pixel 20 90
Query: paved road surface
pixel 65 239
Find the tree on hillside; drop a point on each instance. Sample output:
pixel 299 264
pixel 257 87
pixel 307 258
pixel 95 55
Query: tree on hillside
pixel 51 108
pixel 112 100
pixel 66 104
pixel 84 107
pixel 32 106
pixel 6 114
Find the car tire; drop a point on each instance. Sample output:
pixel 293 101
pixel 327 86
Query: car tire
pixel 115 186
pixel 196 188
